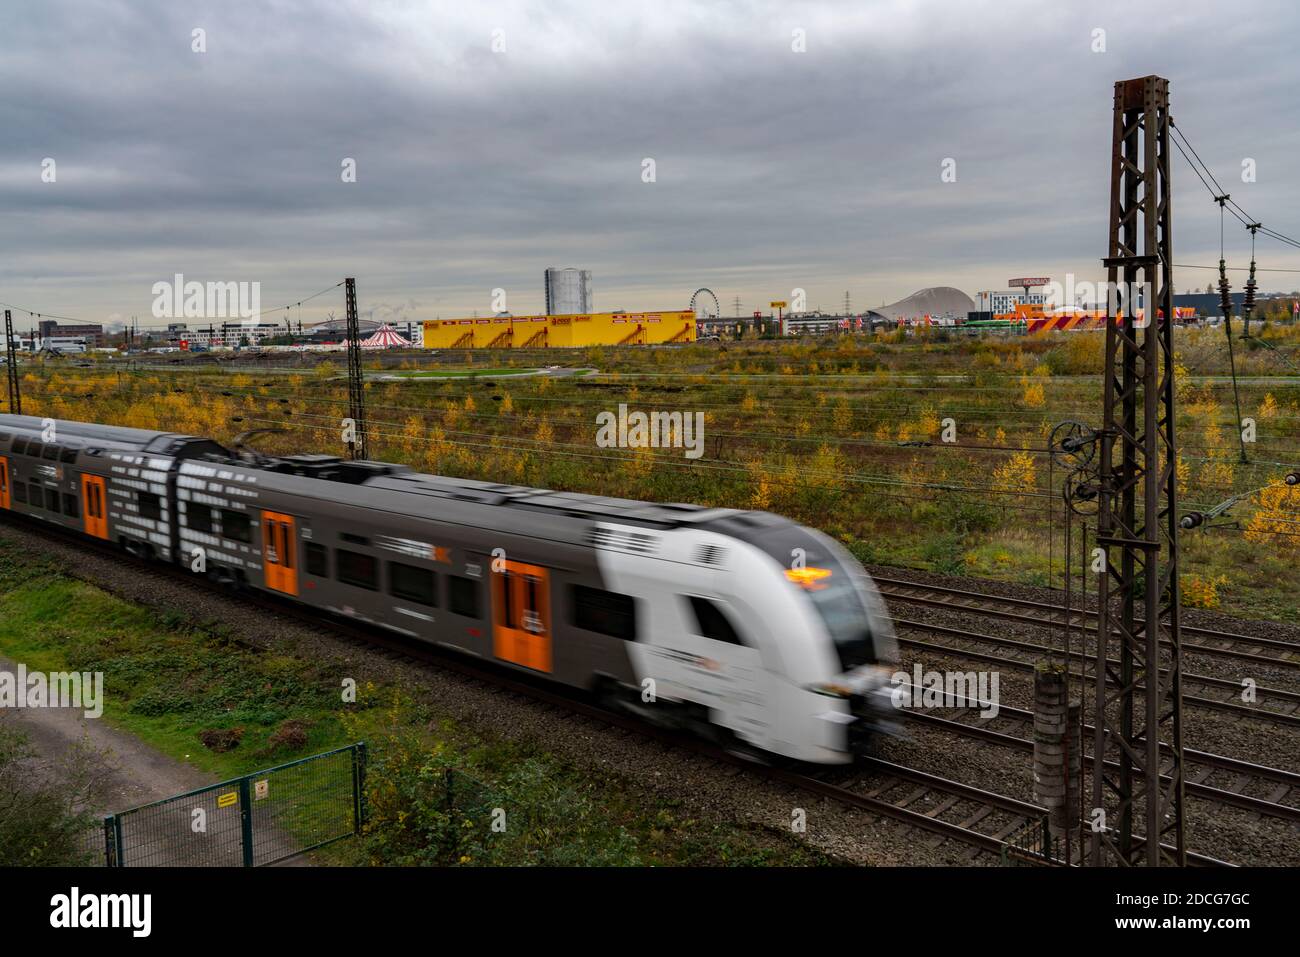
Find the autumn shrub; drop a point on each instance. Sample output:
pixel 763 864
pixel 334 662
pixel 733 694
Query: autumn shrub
pixel 1201 591
pixel 1276 523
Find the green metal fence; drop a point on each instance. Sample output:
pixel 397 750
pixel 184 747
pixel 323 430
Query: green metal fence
pixel 1032 843
pixel 258 819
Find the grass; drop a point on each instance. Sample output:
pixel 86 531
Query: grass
pixel 166 680
pixel 172 682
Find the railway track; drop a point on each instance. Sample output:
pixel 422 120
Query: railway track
pixel 1274 705
pixel 1266 791
pixel 1235 778
pixel 1267 652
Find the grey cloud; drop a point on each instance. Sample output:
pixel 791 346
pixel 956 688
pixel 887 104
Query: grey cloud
pixel 478 169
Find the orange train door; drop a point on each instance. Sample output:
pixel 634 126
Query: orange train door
pixel 278 547
pixel 94 507
pixel 4 482
pixel 521 616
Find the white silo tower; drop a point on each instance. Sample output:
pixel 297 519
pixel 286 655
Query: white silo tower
pixel 568 291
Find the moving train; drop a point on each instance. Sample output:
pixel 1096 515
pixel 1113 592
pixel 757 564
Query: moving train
pixel 759 632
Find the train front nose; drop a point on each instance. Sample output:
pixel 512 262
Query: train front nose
pixel 876 716
pixel 869 690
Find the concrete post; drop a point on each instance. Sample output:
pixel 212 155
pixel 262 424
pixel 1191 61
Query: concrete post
pixel 1056 747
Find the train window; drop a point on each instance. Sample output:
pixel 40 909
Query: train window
pixel 412 583
pixel 604 611
pixel 20 446
pixel 236 526
pixel 357 569
pixel 69 454
pixel 20 492
pixel 36 495
pixel 712 621
pixel 199 517
pixel 70 505
pixel 462 596
pixel 150 505
pixel 354 539
pixel 52 500
pixel 318 560
pixel 51 452
pixel 34 449
pixel 285 549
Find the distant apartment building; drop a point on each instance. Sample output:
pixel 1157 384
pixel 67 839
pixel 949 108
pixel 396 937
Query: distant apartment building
pixel 91 334
pixel 219 334
pixel 568 291
pixel 1003 301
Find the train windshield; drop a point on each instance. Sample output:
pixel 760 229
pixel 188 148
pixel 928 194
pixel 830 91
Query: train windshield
pixel 833 582
pixel 838 588
pixel 841 610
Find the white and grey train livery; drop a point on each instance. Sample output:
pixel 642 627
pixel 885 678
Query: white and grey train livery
pixel 742 623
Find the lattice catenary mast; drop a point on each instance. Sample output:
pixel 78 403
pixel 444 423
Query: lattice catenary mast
pixel 11 364
pixel 1138 521
pixel 356 387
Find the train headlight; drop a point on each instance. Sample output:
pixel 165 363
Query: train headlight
pixel 809 578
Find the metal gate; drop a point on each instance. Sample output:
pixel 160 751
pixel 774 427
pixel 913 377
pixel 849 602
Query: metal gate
pixel 260 818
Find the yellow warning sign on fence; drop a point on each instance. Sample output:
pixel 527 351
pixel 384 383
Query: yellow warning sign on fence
pixel 226 800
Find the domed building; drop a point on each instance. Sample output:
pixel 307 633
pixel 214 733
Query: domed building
pixel 937 302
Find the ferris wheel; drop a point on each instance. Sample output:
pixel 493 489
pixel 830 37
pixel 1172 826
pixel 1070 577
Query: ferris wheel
pixel 699 304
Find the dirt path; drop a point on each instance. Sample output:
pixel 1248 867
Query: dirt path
pixel 134 772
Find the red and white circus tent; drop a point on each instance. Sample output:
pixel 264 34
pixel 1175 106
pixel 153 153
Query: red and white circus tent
pixel 385 337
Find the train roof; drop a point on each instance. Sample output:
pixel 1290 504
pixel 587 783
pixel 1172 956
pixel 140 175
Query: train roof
pixel 403 481
pixel 385 485
pixel 89 435
pixel 86 432
pixel 115 434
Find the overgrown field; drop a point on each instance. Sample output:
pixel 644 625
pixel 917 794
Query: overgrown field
pixel 847 434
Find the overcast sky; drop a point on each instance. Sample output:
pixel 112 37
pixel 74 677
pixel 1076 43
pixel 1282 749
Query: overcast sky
pixel 477 168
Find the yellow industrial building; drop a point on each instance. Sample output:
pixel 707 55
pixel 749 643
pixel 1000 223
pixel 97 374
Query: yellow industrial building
pixel 561 332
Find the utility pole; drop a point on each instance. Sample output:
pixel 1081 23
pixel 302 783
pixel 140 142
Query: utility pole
pixel 1138 521
pixel 736 302
pixel 356 387
pixel 847 305
pixel 11 362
